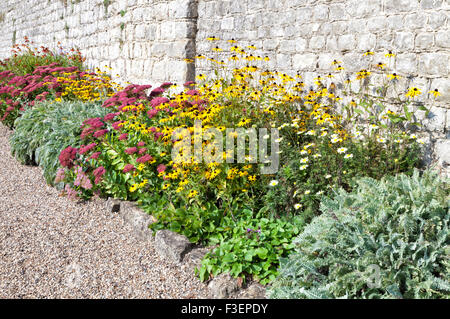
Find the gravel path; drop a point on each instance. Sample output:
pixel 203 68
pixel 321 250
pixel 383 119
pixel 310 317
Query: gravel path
pixel 51 247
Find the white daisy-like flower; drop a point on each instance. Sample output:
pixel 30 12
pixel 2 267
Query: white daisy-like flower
pixel 421 141
pixel 307 192
pixel 278 140
pixel 303 152
pixel 304 160
pixel 335 140
pixel 266 136
pixel 317 155
pixel 327 176
pixel 311 132
pixel 381 140
pixel 413 136
pixel 357 134
pixel 273 183
pixel 303 167
pixel 342 150
pixel 297 206
pixel 319 193
pixel 348 156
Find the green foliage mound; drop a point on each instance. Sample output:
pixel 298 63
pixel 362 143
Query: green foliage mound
pixel 385 239
pixel 44 131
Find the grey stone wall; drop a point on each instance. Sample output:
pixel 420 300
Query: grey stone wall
pixel 142 40
pixel 146 41
pixel 307 35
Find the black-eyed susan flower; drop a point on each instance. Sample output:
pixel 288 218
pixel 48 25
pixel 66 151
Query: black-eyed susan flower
pixel 393 76
pixel 234 57
pixel 380 65
pixel 367 53
pixel 413 92
pixel 213 38
pixel 192 193
pixel 217 49
pixel 362 74
pixel 435 93
pixel 389 55
pixel 200 77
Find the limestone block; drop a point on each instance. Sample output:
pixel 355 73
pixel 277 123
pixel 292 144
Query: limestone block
pixel 320 13
pixel 305 61
pixel 400 5
pixel 435 120
pixel 406 63
pixel 430 4
pixel 404 41
pixel 443 39
pixel 436 20
pixel 227 23
pixel 434 63
pixel 424 40
pixel 346 42
pixel 337 12
pixel 317 42
pixel 366 41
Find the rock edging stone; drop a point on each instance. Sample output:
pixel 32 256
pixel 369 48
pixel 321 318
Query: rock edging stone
pixel 177 249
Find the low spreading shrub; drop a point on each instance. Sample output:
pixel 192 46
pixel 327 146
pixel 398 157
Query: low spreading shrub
pixel 385 239
pixel 45 130
pixel 251 246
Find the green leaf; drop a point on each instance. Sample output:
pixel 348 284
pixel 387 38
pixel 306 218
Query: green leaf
pixel 262 252
pixel 229 257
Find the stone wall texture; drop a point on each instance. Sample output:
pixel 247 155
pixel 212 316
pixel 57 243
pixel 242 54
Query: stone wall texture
pixel 146 41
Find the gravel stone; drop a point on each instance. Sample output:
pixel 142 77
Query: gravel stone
pixel 51 247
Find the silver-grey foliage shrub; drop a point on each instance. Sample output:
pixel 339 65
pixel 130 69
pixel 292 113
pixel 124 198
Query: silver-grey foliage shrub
pixel 43 131
pixel 385 239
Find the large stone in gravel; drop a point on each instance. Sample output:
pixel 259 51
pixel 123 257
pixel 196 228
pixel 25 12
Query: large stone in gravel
pixel 254 291
pixel 193 258
pixel 171 246
pixel 223 286
pixel 113 205
pixel 138 219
